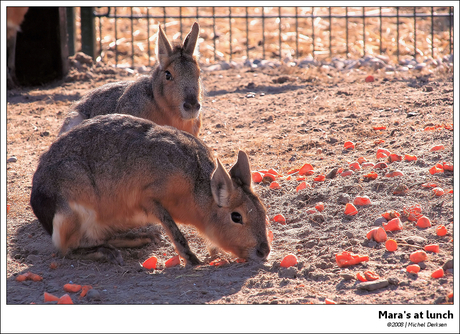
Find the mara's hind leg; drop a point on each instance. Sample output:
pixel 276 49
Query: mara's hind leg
pixel 176 236
pixel 70 241
pixel 136 239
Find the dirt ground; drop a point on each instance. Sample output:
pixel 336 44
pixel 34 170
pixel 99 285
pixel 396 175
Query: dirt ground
pixel 283 118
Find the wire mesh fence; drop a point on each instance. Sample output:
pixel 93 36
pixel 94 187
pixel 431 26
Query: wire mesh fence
pixel 125 36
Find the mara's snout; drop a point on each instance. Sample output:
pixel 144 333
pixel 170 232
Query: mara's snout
pixel 191 107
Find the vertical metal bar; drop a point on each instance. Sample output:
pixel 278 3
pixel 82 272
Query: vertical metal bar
pixel 214 30
pixel 88 43
pixel 148 34
pixel 397 33
pixel 279 30
pixel 100 38
pixel 116 38
pixel 247 35
pixel 180 22
pixel 380 21
pixel 364 32
pixel 450 30
pixel 230 30
pixel 71 29
pixel 346 29
pixel 432 34
pixel 263 33
pixel 132 39
pixel 313 31
pixel 415 33
pixel 330 32
pixel 164 19
pixel 196 10
pixel 296 33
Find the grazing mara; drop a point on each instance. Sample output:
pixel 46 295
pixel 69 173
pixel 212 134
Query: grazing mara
pixel 116 172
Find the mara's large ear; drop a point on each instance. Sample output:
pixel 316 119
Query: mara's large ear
pixel 191 39
pixel 164 48
pixel 242 170
pixel 221 185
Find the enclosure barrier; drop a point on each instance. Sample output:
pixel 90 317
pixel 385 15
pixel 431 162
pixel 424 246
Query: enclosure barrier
pixel 229 33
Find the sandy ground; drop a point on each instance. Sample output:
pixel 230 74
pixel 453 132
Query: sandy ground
pixel 283 118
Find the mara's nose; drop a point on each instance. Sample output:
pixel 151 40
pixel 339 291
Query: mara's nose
pixel 191 104
pixel 263 250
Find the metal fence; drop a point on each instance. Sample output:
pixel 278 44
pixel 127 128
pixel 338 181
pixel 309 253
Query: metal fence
pixel 125 36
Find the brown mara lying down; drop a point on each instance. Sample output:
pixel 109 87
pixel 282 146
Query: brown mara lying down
pixel 170 95
pixel 116 172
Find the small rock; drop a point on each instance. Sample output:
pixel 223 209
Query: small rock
pixel 428 89
pixel 93 294
pixel 379 221
pixel 343 199
pixel 290 272
pixel 393 280
pixel 374 285
pixel 332 174
pixel 34 258
pixel 347 276
pixel 448 265
pixel 83 58
pixel 12 159
pixel 251 95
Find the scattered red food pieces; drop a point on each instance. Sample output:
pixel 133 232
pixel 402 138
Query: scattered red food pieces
pixel 354 165
pixel 418 256
pixel 349 145
pixel 274 172
pixel 240 260
pixel 393 225
pixel 362 200
pixel 438 191
pixel 371 176
pixel 441 231
pixel 394 174
pixel 381 155
pixel 432 248
pixel 437 148
pixel 289 261
pixel 447 167
pixel 257 177
pixel 310 211
pixel 84 290
pixel 378 234
pixel 319 206
pixel 413 268
pixel 53 265
pixel 293 170
pixel 350 209
pixel 438 273
pixel 329 301
pixel 379 127
pixel 69 287
pixel 383 150
pixel 65 299
pixel 8 206
pixel 306 169
pixel 450 295
pixel 429 185
pixel 302 185
pixel 360 276
pixel 29 276
pixel 413 212
pixel 48 297
pixel 150 263
pixel 409 157
pixel 174 261
pixel 389 215
pixel 433 170
pixel 346 173
pixel 361 160
pixel 380 165
pixel 394 157
pixel 371 275
pixel 391 245
pixel 275 185
pixel 423 222
pixel 218 262
pixel 369 78
pixel 346 259
pixel 320 178
pixel 280 219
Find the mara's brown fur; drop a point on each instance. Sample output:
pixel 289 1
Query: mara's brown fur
pixel 170 95
pixel 116 172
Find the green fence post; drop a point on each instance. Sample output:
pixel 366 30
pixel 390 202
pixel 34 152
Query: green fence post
pixel 88 32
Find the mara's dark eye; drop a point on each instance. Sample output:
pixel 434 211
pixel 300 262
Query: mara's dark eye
pixel 168 75
pixel 236 218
